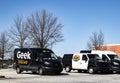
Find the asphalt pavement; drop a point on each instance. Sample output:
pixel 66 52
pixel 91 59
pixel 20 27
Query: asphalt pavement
pixel 74 77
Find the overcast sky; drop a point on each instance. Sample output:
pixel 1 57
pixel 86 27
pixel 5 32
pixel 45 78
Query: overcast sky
pixel 79 18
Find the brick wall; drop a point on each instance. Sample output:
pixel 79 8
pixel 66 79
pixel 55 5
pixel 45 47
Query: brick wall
pixel 115 48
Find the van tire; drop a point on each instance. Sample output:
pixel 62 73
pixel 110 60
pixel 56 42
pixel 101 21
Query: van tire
pixel 34 72
pixel 41 72
pixel 18 70
pixel 67 69
pixel 91 70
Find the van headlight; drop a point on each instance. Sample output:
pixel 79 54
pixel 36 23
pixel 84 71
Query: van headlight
pixel 46 63
pixel 115 63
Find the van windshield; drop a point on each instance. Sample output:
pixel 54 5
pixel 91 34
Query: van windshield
pixel 48 56
pixel 112 56
pixel 94 56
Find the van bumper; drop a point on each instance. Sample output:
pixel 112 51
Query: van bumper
pixel 102 69
pixel 52 70
pixel 117 69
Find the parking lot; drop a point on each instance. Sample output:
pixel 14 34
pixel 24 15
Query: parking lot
pixel 73 77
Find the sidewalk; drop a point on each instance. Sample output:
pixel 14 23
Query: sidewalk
pixel 2 73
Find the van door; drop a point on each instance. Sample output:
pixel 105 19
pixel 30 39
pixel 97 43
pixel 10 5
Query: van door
pixel 33 65
pixel 84 62
pixel 80 62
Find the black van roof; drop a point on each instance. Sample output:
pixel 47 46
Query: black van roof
pixel 85 51
pixel 34 49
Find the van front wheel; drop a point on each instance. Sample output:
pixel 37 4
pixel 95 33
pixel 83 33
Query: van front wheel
pixel 41 72
pixel 18 70
pixel 91 70
pixel 67 69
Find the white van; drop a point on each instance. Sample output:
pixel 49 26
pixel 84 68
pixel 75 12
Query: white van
pixel 84 62
pixel 107 56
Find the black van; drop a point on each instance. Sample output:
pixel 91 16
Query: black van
pixel 37 60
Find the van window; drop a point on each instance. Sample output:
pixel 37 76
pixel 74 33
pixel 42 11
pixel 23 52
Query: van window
pixel 104 57
pixel 47 56
pixel 84 57
pixel 94 57
pixel 53 56
pixel 112 56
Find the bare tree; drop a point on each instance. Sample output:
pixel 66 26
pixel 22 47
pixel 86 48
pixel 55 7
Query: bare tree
pixel 89 45
pixel 100 40
pixel 18 33
pixel 96 41
pixel 4 45
pixel 44 29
